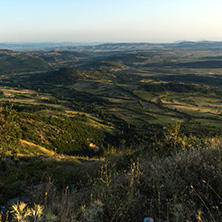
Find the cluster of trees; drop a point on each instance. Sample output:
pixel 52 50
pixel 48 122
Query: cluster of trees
pixel 215 80
pixel 62 134
pixel 175 87
pixel 10 133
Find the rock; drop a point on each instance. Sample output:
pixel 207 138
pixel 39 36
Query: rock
pixel 3 209
pixel 9 160
pixel 72 187
pixel 148 219
pixel 38 186
pixel 94 147
pixel 26 199
pixel 13 201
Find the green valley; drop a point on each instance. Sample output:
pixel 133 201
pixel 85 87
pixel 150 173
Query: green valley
pixel 115 132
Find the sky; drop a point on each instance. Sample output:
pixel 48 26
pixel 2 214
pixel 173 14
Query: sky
pixel 110 20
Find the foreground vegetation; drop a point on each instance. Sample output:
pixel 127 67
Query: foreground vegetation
pixel 176 179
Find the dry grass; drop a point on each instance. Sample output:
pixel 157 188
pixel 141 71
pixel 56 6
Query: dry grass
pixel 29 148
pixel 178 179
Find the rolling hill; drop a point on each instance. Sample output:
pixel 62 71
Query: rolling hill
pixel 131 129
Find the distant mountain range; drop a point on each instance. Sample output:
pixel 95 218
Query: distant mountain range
pixel 114 57
pixel 41 45
pixel 107 46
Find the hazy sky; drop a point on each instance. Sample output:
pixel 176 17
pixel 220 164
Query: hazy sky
pixel 110 20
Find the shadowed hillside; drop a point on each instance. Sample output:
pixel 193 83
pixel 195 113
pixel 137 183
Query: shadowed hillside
pixel 64 76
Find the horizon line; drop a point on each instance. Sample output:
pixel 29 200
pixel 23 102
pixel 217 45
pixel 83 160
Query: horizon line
pixel 106 42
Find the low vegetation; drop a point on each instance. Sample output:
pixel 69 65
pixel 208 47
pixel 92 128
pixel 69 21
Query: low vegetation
pixel 112 135
pixel 176 179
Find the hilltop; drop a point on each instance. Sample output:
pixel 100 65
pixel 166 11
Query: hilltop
pixel 35 61
pixel 64 76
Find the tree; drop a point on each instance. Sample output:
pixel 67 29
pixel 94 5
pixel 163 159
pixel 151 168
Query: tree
pixel 10 133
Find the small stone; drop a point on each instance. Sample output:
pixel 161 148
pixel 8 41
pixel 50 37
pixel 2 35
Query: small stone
pixel 9 160
pixel 148 219
pixel 13 201
pixel 3 209
pixel 72 187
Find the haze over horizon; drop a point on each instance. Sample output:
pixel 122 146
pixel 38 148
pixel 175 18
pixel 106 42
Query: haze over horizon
pixel 87 21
